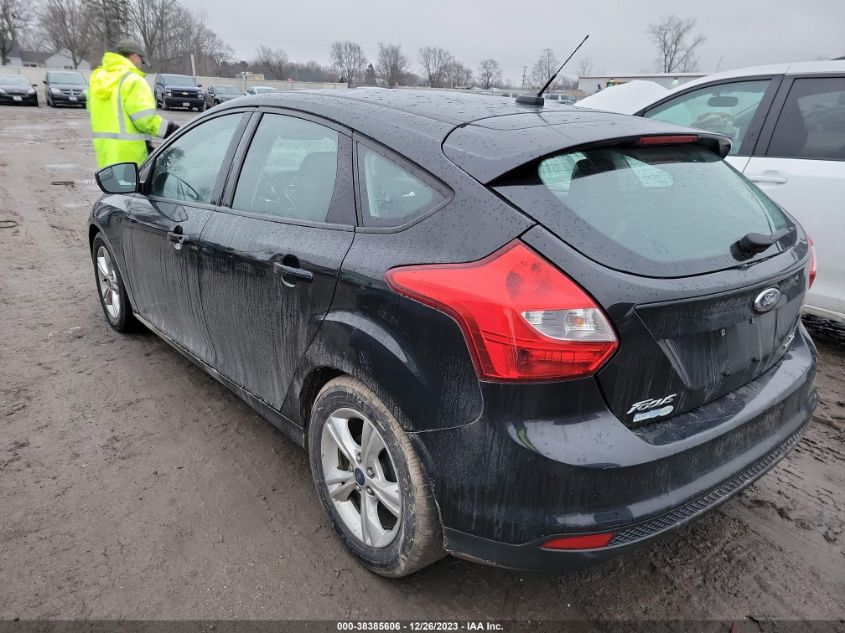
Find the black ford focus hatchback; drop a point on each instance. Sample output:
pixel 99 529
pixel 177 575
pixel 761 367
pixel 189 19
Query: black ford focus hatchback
pixel 529 336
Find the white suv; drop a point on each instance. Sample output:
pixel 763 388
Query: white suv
pixel 787 122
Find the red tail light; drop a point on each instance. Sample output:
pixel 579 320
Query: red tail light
pixel 522 318
pixel 586 541
pixel 812 263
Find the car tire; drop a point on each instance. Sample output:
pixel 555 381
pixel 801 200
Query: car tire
pixel 201 108
pixel 113 298
pixel 399 545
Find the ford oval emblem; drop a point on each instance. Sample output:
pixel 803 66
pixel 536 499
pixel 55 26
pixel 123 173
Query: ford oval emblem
pixel 767 300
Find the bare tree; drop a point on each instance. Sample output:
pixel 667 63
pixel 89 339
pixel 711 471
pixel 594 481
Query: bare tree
pixel 435 62
pixel 15 17
pixel 311 71
pixel 676 45
pixel 458 75
pixel 544 68
pixel 67 25
pixel 274 60
pixel 489 73
pixel 392 65
pixel 153 22
pixel 109 21
pixel 350 61
pixel 171 33
pixel 208 48
pixel 585 66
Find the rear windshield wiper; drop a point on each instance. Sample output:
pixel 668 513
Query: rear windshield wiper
pixel 754 243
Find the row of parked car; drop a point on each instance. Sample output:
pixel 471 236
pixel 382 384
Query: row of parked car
pixel 69 88
pixel 183 91
pixel 60 88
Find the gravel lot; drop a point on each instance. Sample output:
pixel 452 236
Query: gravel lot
pixel 134 486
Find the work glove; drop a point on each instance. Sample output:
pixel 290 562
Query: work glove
pixel 171 128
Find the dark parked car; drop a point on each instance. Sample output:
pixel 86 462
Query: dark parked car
pixel 15 89
pixel 220 93
pixel 65 87
pixel 532 337
pixel 178 91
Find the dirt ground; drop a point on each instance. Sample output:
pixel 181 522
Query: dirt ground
pixel 134 486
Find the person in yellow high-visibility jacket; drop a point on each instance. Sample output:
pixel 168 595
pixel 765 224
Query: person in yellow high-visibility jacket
pixel 123 108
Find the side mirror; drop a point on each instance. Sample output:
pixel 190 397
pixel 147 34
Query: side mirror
pixel 120 178
pixel 199 85
pixel 34 85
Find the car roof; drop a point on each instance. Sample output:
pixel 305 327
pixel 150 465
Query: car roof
pixel 484 135
pixel 792 68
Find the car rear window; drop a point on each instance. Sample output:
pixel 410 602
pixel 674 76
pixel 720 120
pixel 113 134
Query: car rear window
pixel 663 211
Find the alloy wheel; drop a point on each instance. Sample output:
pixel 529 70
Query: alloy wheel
pixel 360 475
pixel 107 281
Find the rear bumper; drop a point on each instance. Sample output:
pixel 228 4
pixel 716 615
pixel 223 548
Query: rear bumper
pixel 517 483
pixel 532 556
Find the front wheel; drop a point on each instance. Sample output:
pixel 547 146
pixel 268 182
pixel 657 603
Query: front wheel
pixel 113 297
pixel 370 481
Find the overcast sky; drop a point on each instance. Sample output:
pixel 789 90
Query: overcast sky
pixel 739 32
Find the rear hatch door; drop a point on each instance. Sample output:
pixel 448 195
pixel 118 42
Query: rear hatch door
pixel 651 225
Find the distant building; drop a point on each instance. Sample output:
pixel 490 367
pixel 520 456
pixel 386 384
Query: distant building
pixel 590 84
pixel 57 60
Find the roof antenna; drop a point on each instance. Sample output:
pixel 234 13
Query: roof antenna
pixel 538 100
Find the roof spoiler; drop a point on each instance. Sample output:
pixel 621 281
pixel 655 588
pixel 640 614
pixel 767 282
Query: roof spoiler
pixel 716 143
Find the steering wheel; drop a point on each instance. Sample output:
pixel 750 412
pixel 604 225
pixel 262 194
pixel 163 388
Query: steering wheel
pixel 269 195
pixel 184 190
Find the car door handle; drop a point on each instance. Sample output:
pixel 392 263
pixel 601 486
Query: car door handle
pixel 292 274
pixel 767 178
pixel 177 238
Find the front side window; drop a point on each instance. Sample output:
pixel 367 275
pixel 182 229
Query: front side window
pixel 725 109
pixel 289 170
pixel 390 194
pixel 188 168
pixel 812 122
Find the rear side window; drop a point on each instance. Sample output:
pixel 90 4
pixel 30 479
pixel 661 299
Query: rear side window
pixel 290 170
pixel 665 211
pixel 812 122
pixel 390 194
pixel 724 108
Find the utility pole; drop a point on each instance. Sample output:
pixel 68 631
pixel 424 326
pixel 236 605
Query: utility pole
pixel 524 69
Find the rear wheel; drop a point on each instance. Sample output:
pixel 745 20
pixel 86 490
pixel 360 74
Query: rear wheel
pixel 113 297
pixel 370 481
